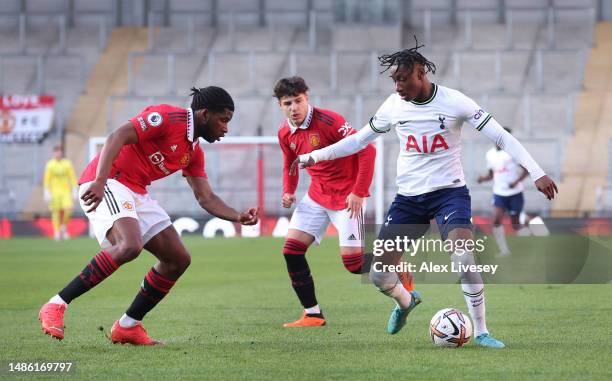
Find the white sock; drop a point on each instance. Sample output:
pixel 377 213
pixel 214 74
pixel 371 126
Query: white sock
pixel 475 300
pixel 57 300
pixel 473 291
pixel 313 310
pixel 401 296
pixel 127 322
pixel 500 238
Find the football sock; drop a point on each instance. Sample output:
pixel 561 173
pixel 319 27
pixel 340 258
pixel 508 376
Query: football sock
pixel 473 292
pixel 127 322
pixel 55 221
pixel 57 300
pixel 500 238
pixel 66 217
pixel 299 272
pixel 100 268
pixel 314 310
pixel 152 290
pixel 389 284
pixel 353 262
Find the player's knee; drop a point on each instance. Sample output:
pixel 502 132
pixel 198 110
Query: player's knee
pixel 129 250
pixel 381 278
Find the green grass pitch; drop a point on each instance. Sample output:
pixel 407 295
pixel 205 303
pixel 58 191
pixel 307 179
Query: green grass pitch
pixel 223 320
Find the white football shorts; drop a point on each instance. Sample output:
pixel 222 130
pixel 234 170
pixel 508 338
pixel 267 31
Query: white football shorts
pixel 312 218
pixel 119 202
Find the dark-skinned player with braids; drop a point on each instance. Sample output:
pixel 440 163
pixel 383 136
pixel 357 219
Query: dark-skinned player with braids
pixel 157 142
pixel 431 185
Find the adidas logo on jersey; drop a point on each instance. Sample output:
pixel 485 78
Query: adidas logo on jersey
pixel 352 237
pixel 173 147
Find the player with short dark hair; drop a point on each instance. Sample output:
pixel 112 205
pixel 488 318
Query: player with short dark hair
pixel 159 141
pixel 507 176
pixel 337 191
pixel 428 119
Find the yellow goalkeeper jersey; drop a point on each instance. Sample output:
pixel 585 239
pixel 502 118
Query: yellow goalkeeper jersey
pixel 59 176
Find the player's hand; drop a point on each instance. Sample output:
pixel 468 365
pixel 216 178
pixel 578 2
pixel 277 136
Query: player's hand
pixel 93 195
pixel 249 217
pixel 547 186
pixel 512 184
pixel 480 180
pixel 354 204
pixel 302 161
pixel 288 200
pixel 47 196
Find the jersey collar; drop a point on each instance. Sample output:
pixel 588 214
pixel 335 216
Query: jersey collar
pixel 431 98
pixel 304 125
pixel 190 127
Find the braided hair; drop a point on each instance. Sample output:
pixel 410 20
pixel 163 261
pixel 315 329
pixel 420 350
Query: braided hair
pixel 407 58
pixel 212 98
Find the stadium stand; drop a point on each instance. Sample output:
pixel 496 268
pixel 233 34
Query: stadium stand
pixel 523 60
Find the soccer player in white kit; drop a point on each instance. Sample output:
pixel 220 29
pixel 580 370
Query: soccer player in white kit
pixel 507 176
pixel 427 119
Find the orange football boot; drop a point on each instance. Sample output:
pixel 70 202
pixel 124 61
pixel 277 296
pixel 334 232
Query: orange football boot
pixel 307 320
pixel 51 316
pixel 407 280
pixel 134 335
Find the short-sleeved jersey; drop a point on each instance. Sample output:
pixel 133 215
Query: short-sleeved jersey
pixel 59 176
pixel 505 171
pixel 429 134
pixel 166 144
pixel 331 181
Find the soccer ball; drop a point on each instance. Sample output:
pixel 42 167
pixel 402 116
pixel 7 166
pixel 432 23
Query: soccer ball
pixel 450 328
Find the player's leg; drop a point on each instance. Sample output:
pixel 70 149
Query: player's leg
pixel 404 219
pixel 517 202
pixel 499 207
pixel 308 224
pixel 119 233
pixel 56 219
pixel 66 213
pixel 350 239
pixel 453 214
pixel 174 259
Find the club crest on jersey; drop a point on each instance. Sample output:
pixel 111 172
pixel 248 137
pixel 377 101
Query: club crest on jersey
pixel 314 140
pixel 292 146
pixel 154 119
pixel 437 142
pixel 127 205
pixel 185 159
pixel 441 119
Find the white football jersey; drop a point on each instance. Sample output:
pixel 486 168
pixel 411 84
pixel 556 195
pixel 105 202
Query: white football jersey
pixel 430 138
pixel 505 171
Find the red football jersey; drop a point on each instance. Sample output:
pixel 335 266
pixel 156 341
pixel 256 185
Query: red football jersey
pixel 333 180
pixel 166 143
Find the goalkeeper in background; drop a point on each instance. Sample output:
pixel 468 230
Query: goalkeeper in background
pixel 60 188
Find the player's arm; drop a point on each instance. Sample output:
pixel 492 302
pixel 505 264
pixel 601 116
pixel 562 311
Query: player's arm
pixel 126 134
pixel 290 182
pixel 485 178
pixel 522 177
pixel 214 205
pixel 515 149
pixel 378 125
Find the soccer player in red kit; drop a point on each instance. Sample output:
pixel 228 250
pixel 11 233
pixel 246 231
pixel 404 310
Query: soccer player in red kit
pixel 336 194
pixel 159 141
